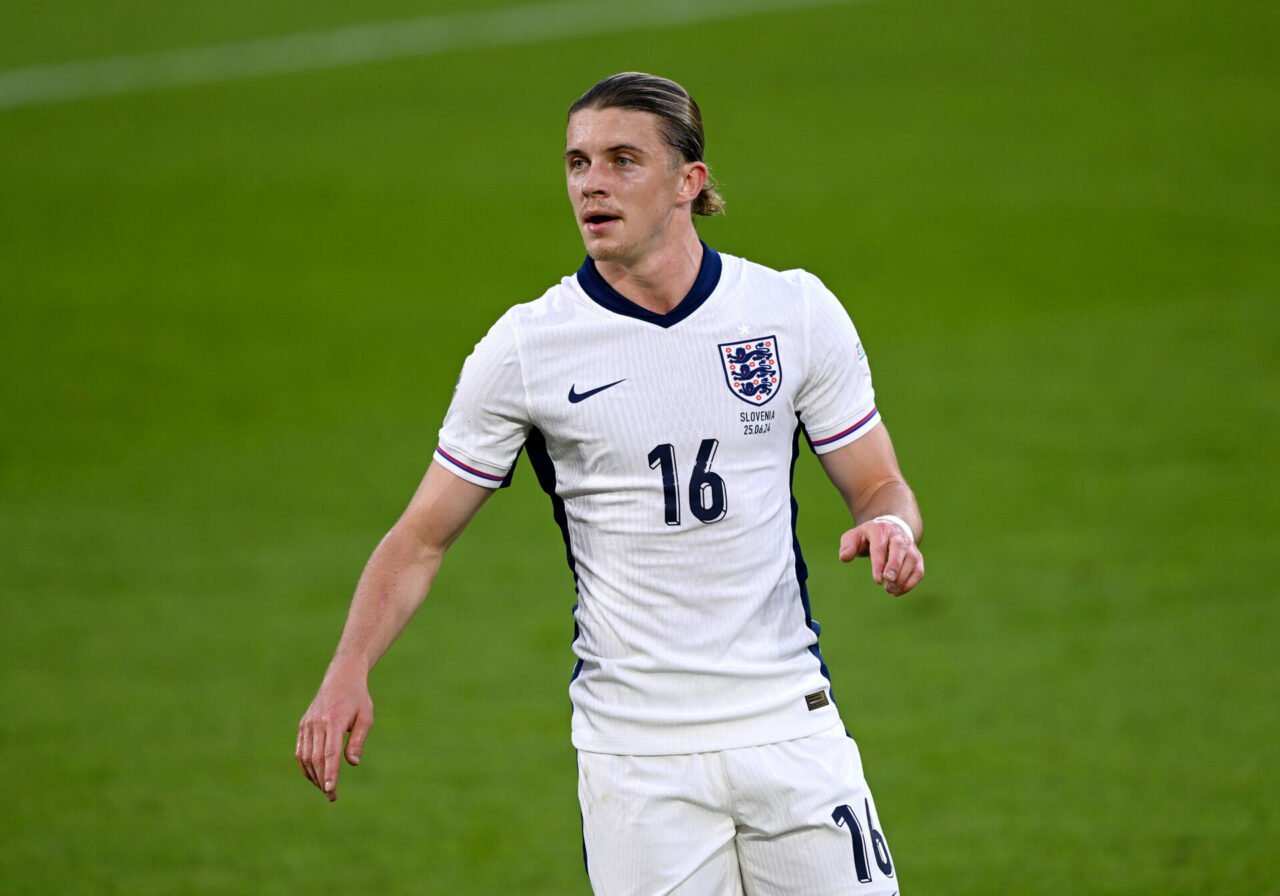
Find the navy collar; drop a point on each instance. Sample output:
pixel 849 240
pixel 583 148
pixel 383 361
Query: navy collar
pixel 604 295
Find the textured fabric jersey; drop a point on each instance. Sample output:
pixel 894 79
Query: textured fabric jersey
pixel 666 443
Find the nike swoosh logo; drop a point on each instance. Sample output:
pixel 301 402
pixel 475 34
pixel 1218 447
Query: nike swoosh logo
pixel 575 396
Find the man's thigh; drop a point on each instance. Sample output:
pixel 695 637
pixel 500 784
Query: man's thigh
pixel 657 825
pixel 807 825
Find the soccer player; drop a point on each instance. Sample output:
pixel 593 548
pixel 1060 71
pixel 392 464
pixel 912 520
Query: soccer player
pixel 661 394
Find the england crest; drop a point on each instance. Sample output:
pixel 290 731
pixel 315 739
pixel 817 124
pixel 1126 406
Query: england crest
pixel 752 369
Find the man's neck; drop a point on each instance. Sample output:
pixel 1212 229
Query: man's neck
pixel 659 282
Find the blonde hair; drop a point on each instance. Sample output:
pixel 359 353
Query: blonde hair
pixel 679 120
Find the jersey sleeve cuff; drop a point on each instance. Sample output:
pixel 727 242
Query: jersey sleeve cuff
pixel 846 434
pixel 468 470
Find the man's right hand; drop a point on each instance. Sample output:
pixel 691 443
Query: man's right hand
pixel 341 705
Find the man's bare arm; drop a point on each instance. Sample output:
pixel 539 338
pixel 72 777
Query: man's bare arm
pixel 393 585
pixel 866 474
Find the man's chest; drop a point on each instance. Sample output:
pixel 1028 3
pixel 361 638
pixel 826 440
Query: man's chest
pixel 625 400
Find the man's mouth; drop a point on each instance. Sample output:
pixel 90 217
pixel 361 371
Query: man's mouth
pixel 599 221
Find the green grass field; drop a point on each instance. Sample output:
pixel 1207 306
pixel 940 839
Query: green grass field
pixel 233 315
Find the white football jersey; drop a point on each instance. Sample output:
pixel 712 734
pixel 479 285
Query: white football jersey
pixel 666 443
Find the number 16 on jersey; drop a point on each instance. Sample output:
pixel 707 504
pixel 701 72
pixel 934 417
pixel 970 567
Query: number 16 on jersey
pixel 707 498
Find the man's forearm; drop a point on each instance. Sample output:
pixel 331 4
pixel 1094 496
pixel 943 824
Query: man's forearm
pixel 393 585
pixel 893 497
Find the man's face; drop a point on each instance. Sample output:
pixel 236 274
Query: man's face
pixel 625 182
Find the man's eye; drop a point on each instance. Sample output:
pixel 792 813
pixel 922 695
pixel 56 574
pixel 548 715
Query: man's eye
pixel 577 164
pixel 624 162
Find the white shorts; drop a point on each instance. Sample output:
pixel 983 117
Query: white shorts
pixel 788 819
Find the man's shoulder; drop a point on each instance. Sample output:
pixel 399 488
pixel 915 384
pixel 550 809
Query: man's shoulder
pixel 552 306
pixel 753 274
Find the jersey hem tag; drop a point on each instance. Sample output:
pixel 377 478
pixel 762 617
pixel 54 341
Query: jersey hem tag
pixel 816 700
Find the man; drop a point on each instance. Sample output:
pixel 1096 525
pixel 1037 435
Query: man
pixel 660 395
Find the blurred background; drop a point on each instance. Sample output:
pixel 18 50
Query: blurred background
pixel 238 282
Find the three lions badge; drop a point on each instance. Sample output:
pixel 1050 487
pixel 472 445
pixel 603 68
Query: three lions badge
pixel 752 369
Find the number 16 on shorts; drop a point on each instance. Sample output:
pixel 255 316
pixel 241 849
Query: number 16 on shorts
pixel 846 817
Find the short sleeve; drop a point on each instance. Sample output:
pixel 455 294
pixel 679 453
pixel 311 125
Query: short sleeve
pixel 836 401
pixel 488 420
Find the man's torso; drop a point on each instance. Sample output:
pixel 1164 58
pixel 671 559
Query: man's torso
pixel 667 443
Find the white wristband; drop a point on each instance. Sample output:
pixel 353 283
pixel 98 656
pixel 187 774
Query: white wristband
pixel 897 521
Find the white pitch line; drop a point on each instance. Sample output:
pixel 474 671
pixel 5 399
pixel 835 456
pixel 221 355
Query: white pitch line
pixel 373 42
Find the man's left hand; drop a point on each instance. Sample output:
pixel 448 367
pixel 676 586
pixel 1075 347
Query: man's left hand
pixel 896 562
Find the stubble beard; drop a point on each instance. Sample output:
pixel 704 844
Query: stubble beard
pixel 615 249
pixel 625 249
pixel 607 252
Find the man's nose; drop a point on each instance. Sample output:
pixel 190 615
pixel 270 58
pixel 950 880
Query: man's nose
pixel 593 183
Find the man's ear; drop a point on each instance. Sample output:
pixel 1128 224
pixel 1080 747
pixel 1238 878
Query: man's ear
pixel 694 179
